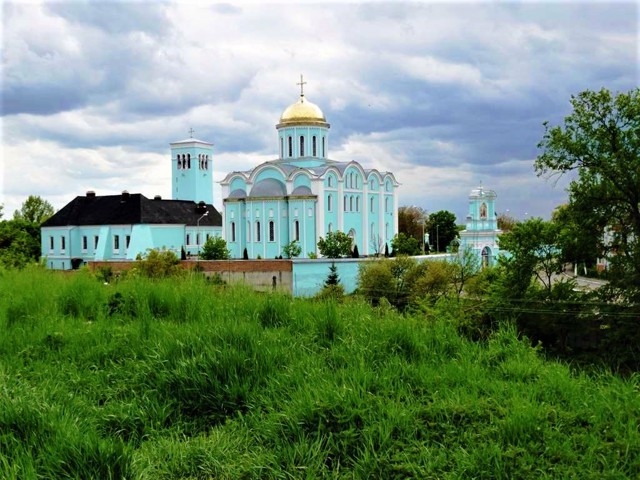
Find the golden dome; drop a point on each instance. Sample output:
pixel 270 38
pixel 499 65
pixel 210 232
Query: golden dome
pixel 302 112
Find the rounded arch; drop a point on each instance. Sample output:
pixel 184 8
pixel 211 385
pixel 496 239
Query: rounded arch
pixel 487 256
pixel 267 170
pixel 300 178
pixel 376 177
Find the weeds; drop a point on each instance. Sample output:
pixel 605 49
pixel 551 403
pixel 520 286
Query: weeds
pixel 164 378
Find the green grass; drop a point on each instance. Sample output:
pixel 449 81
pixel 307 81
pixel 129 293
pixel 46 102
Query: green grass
pixel 183 379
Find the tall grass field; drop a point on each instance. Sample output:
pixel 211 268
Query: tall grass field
pixel 180 378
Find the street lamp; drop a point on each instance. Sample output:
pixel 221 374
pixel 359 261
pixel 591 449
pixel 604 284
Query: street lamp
pixel 198 231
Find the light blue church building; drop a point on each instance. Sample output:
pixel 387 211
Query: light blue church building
pixel 302 194
pixel 481 233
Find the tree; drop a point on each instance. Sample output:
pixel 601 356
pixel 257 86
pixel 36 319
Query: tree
pixel 292 249
pixel 332 289
pixel 465 266
pixel 19 243
pixel 506 222
pixel 215 248
pixel 405 245
pixel 600 140
pixel 34 210
pixel 335 245
pixel 355 253
pixel 1 209
pixel 412 222
pixel 535 252
pixel 333 278
pixel 442 229
pixel 580 239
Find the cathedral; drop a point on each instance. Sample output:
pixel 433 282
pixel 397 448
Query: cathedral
pixel 299 196
pixel 303 195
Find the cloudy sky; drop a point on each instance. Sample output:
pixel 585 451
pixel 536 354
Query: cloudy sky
pixel 445 95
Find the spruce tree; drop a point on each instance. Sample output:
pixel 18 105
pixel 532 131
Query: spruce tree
pixel 333 278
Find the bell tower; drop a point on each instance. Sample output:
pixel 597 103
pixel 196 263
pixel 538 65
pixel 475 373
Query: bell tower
pixel 192 170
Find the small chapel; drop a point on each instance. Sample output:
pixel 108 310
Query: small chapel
pixel 303 194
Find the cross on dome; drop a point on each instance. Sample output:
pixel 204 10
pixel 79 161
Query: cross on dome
pixel 191 132
pixel 302 83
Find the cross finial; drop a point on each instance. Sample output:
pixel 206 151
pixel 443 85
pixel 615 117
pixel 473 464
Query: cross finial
pixel 302 83
pixel 191 131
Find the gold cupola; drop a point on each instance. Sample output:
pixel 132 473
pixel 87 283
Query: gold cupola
pixel 303 112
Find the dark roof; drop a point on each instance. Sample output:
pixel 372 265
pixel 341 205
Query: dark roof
pixel 132 209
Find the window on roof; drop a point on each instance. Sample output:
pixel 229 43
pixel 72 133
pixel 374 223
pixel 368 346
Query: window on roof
pixel 323 145
pixel 301 146
pixel 290 141
pixel 281 147
pixel 314 146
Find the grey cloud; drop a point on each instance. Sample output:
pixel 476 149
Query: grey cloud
pixel 115 18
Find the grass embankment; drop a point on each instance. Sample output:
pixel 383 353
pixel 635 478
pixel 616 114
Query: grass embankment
pixel 181 379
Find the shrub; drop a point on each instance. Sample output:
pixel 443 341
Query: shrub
pixel 157 264
pixel 335 245
pixel 292 249
pixel 215 248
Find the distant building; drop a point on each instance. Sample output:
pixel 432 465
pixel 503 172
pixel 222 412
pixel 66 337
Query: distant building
pixel 481 233
pixel 302 195
pixel 119 227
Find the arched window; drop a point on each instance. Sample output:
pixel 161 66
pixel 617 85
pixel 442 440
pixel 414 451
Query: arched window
pixel 330 228
pixel 329 202
pixel 281 147
pixel 179 163
pixel 258 231
pixel 351 203
pixel 329 179
pixel 386 231
pixel 233 231
pixel 345 203
pixel 373 230
pixel 372 205
pixel 323 147
pixel 351 180
pixel 301 146
pixel 314 146
pixel 248 230
pixel 290 140
pixel 272 231
pixel 296 230
pixel 357 203
pixel 386 205
pixel 188 161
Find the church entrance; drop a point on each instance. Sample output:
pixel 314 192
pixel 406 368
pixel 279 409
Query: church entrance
pixel 486 257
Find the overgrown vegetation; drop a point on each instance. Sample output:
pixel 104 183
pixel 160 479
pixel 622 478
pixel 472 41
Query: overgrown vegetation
pixel 158 378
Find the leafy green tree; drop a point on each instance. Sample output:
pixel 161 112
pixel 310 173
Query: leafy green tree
pixel 580 239
pixel 535 251
pixel 215 248
pixel 292 249
pixel 34 209
pixel 335 245
pixel 1 209
pixel 442 229
pixel 19 243
pixel 600 140
pixel 402 244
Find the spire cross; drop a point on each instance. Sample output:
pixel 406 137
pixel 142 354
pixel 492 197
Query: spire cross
pixel 191 130
pixel 302 83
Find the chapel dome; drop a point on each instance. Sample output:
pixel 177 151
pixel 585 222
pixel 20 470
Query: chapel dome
pixel 302 112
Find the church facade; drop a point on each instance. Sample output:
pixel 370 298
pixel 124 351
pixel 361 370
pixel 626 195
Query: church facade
pixel 303 195
pixel 481 233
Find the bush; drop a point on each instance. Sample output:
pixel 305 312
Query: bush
pixel 292 249
pixel 157 264
pixel 335 245
pixel 215 248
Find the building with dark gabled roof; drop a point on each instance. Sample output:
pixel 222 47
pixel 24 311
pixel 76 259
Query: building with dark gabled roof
pixel 120 227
